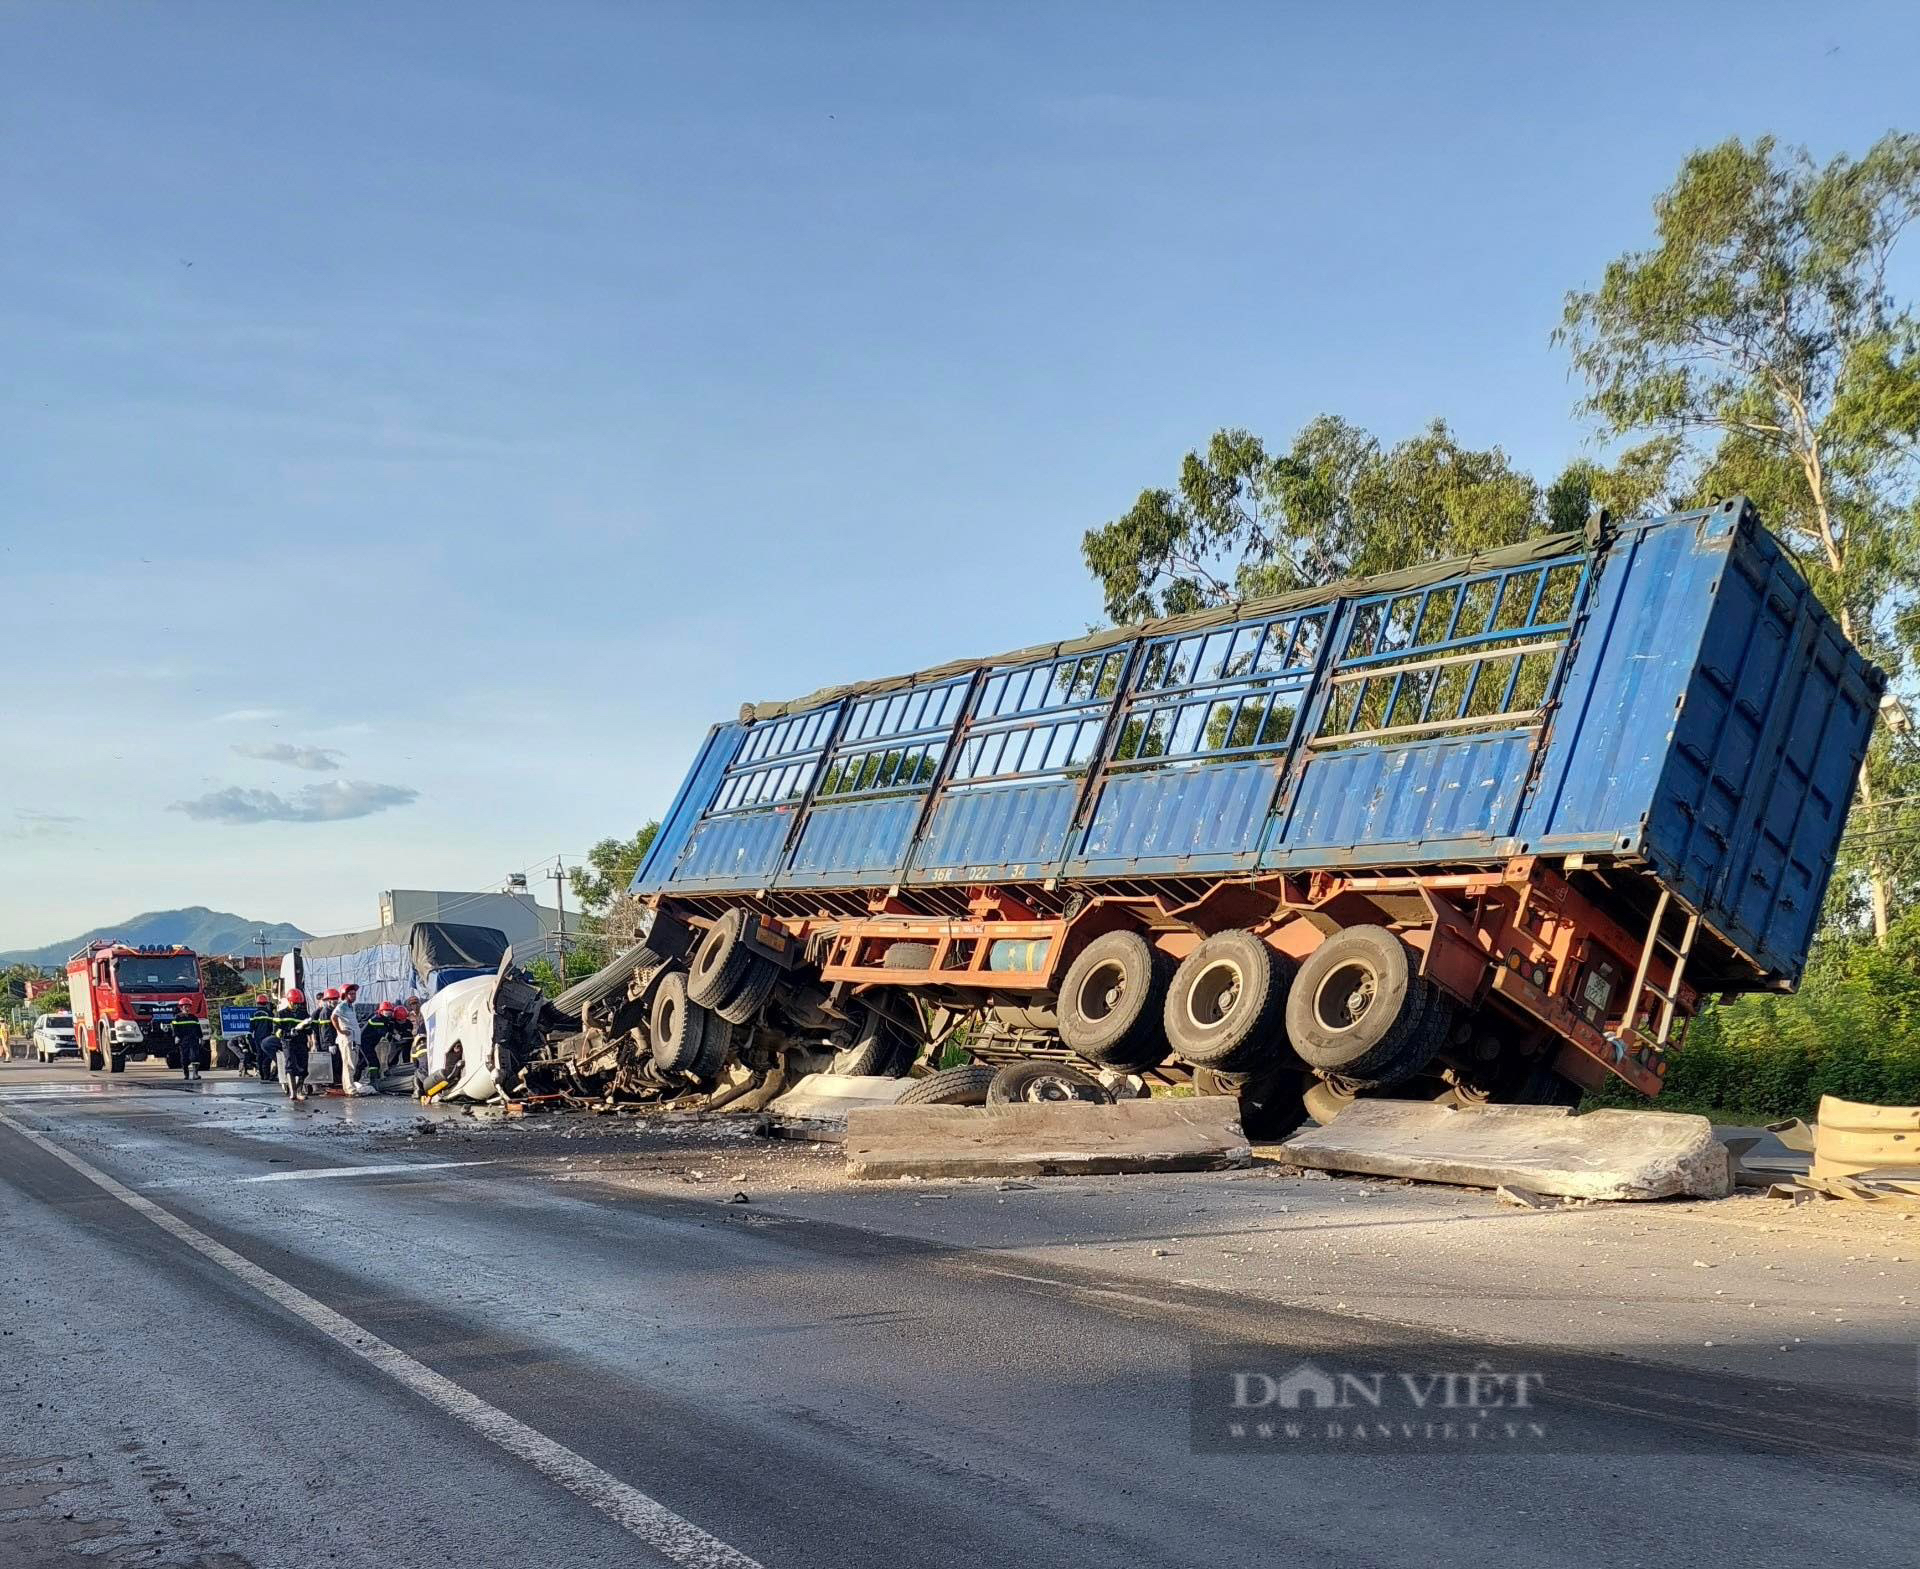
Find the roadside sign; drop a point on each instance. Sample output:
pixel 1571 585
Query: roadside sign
pixel 236 1021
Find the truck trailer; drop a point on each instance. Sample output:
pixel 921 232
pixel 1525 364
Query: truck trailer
pixel 393 963
pixel 1488 829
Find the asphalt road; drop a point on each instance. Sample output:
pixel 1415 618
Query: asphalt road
pixel 280 1337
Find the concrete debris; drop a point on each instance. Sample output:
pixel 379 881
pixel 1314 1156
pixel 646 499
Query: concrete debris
pixel 1049 1138
pixel 1524 1198
pixel 1601 1155
pixel 816 1107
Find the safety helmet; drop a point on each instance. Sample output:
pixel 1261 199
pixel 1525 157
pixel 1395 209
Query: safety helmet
pixel 385 1010
pixel 297 997
pixel 399 1010
pixel 262 1001
pixel 332 994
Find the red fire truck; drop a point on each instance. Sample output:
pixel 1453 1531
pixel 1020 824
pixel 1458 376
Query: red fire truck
pixel 122 995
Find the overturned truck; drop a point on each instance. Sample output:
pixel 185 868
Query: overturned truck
pixel 1485 830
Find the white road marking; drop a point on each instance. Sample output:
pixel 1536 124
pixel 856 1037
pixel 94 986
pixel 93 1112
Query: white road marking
pixel 658 1526
pixel 362 1171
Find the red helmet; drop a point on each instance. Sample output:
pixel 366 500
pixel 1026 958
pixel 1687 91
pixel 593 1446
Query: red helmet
pixel 332 994
pixel 385 1009
pixel 297 997
pixel 351 989
pixel 399 1010
pixel 262 1001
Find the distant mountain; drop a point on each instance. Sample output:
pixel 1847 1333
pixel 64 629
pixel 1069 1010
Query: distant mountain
pixel 201 929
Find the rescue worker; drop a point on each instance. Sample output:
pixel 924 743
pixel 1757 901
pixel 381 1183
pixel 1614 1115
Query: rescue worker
pixel 183 1033
pixel 260 1037
pixel 346 1042
pixel 375 1043
pixel 295 1031
pixel 323 1036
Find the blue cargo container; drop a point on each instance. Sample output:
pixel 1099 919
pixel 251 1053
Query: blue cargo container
pixel 1662 713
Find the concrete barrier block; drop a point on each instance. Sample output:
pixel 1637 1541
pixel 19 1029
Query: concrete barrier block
pixel 1057 1138
pixel 1602 1155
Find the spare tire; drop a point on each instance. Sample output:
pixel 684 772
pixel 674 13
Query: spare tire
pixel 966 1086
pixel 722 962
pixel 907 956
pixel 1045 1081
pixel 679 1026
pixel 1225 1005
pixel 1113 1001
pixel 1359 1010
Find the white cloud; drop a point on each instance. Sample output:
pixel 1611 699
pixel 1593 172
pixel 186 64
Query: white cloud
pixel 246 716
pixel 316 759
pixel 333 802
pixel 32 824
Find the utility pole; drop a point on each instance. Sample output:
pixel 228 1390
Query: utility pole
pixel 560 936
pixel 261 939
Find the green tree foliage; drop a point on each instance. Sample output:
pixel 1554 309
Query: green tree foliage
pixel 610 867
pixel 1243 521
pixel 56 1001
pixel 222 979
pixel 1759 346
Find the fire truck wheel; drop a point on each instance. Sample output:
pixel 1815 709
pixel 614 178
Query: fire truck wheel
pixel 94 1063
pixel 1225 1005
pixel 1113 1002
pixel 722 963
pixel 117 1062
pixel 949 1087
pixel 1045 1081
pixel 1358 1010
pixel 680 1025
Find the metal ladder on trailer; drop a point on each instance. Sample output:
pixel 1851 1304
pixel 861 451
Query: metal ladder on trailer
pixel 1677 955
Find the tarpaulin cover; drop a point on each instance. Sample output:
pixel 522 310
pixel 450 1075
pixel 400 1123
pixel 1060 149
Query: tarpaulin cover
pixel 393 963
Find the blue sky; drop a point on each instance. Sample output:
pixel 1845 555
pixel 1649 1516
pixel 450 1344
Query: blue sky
pixel 421 422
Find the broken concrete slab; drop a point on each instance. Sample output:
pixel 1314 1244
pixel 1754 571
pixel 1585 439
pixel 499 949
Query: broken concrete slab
pixel 1048 1139
pixel 1601 1155
pixel 816 1108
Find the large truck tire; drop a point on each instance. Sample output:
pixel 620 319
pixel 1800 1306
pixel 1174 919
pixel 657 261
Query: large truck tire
pixel 966 1086
pixel 1226 1003
pixel 1112 1007
pixel 94 1060
pixel 1358 1010
pixel 752 994
pixel 1273 1104
pixel 679 1027
pixel 879 1049
pixel 716 1046
pixel 722 963
pixel 907 956
pixel 1022 1082
pixel 116 1062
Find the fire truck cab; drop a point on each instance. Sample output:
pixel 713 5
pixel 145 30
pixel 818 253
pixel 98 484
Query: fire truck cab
pixel 122 996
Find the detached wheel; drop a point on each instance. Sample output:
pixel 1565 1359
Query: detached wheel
pixel 722 962
pixel 1045 1081
pixel 1358 1010
pixel 1113 1002
pixel 680 1025
pixel 966 1086
pixel 1226 1002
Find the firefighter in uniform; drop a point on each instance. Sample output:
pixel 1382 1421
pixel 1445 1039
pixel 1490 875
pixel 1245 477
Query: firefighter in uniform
pixel 295 1031
pixel 182 1031
pixel 260 1033
pixel 374 1039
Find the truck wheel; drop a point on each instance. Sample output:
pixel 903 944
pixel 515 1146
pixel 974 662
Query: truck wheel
pixel 966 1086
pixel 1273 1104
pixel 716 1047
pixel 907 956
pixel 752 994
pixel 1022 1082
pixel 94 1062
pixel 877 1049
pixel 1113 1001
pixel 117 1062
pixel 1225 1005
pixel 680 1025
pixel 1358 1010
pixel 722 962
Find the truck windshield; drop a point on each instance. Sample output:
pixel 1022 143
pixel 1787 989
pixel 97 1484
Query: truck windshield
pixel 158 973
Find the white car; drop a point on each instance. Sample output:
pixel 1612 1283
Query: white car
pixel 53 1037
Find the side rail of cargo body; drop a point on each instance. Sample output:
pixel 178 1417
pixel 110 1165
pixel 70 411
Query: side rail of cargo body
pixel 1673 700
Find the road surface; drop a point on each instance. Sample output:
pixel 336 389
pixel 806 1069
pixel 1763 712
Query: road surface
pixel 243 1334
